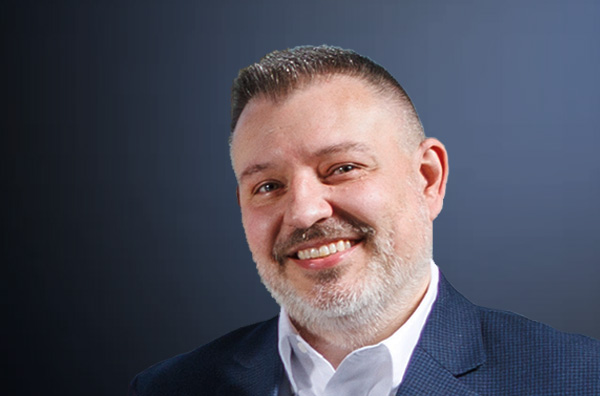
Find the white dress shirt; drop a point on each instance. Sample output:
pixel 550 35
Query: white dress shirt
pixel 373 370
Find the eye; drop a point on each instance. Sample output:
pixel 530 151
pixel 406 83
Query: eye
pixel 339 170
pixel 267 187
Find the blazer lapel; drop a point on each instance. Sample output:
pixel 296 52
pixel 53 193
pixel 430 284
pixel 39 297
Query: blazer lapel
pixel 426 376
pixel 258 370
pixel 450 346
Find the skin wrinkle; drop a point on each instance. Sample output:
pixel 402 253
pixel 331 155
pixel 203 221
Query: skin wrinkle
pixel 412 131
pixel 337 148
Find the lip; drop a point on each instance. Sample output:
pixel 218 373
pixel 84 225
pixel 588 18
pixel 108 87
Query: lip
pixel 315 243
pixel 316 264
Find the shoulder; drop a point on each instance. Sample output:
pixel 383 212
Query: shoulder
pixel 499 352
pixel 505 332
pixel 538 356
pixel 203 368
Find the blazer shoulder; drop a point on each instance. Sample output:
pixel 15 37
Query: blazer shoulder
pixel 510 330
pixel 201 367
pixel 538 355
pixel 503 353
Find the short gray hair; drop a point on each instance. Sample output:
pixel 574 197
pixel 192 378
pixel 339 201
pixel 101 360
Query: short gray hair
pixel 280 72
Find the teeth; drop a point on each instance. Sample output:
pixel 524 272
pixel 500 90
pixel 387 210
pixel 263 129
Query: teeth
pixel 332 248
pixel 324 251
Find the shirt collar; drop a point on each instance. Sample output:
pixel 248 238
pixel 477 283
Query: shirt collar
pixel 400 345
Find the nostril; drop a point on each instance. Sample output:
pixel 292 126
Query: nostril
pixel 305 214
pixel 308 200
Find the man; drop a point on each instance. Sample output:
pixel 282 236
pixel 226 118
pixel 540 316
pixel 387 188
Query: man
pixel 338 188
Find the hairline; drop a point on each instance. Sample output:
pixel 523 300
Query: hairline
pixel 400 102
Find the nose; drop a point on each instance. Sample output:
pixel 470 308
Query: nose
pixel 308 203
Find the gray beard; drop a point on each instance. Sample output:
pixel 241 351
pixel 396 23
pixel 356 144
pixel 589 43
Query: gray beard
pixel 350 316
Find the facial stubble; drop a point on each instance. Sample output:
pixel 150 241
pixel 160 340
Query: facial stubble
pixel 350 313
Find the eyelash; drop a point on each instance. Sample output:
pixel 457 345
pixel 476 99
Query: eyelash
pixel 264 185
pixel 341 169
pixel 336 170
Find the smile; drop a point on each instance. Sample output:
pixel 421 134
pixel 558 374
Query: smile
pixel 324 250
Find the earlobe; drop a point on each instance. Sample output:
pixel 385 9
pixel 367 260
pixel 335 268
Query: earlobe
pixel 434 172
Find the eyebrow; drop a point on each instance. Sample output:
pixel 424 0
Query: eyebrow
pixel 249 171
pixel 333 149
pixel 342 147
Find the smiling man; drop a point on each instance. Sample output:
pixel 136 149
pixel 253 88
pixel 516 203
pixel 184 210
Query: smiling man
pixel 338 188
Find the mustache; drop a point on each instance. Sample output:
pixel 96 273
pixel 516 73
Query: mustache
pixel 331 228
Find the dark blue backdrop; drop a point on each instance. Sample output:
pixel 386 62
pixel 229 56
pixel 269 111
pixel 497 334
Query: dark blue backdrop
pixel 123 243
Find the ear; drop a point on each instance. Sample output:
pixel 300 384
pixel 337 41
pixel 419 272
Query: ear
pixel 237 195
pixel 434 174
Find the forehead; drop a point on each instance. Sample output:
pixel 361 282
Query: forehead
pixel 327 112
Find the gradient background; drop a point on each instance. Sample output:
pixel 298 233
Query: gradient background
pixel 123 244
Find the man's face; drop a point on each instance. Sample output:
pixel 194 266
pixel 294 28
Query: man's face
pixel 332 204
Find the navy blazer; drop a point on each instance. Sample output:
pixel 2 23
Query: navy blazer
pixel 463 350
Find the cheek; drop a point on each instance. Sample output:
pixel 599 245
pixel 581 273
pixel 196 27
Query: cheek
pixel 414 228
pixel 370 203
pixel 259 226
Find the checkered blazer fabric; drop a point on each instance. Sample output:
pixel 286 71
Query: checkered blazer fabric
pixel 463 350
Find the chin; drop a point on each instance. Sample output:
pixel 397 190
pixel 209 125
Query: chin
pixel 351 311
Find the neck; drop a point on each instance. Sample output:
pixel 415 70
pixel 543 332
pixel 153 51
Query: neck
pixel 334 343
